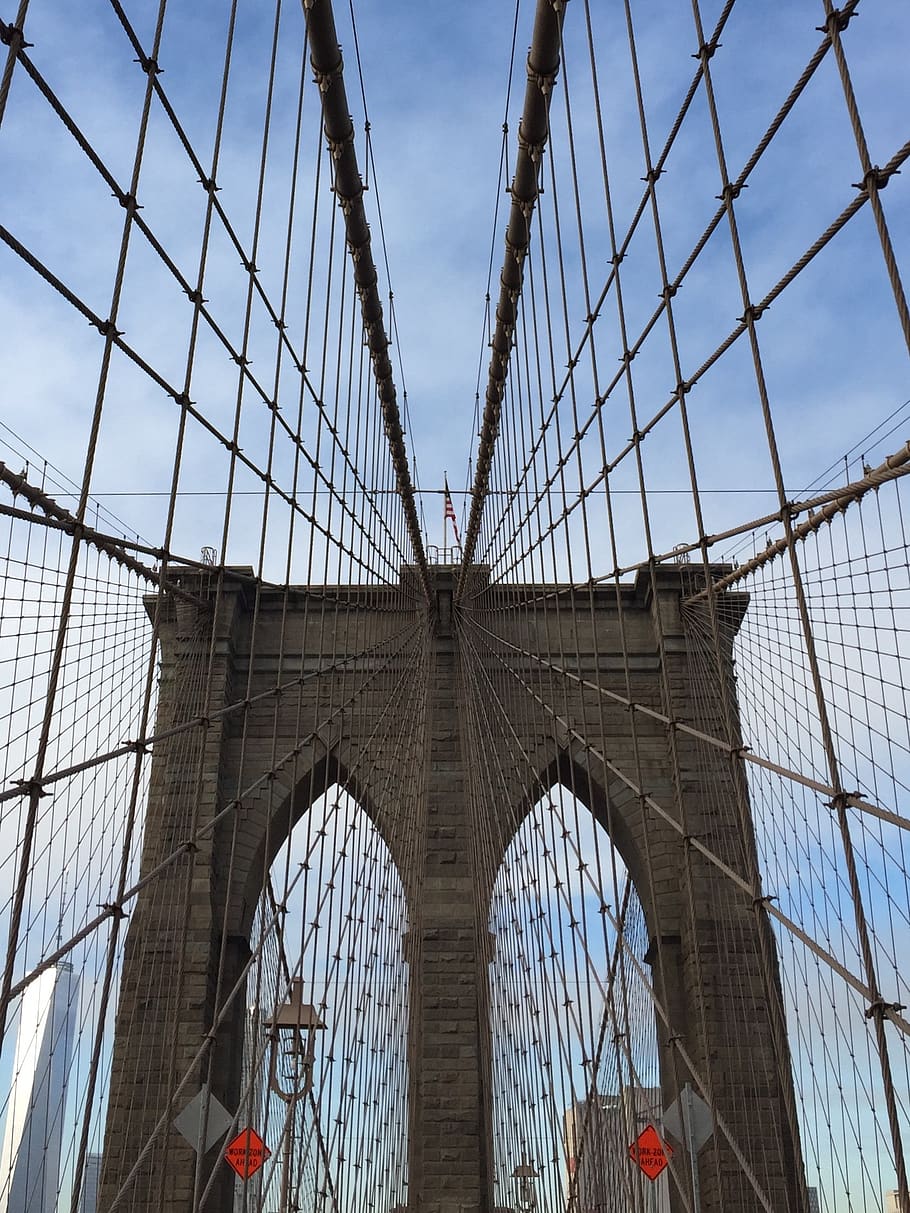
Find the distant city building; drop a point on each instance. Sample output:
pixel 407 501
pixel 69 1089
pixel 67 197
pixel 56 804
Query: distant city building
pixel 88 1201
pixel 814 1205
pixel 598 1133
pixel 32 1136
pixel 891 1202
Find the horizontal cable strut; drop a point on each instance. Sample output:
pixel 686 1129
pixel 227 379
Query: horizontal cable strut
pixel 891 1011
pixel 562 895
pixel 644 429
pixel 533 132
pixel 72 526
pixel 894 466
pixel 191 1069
pixel 733 752
pixel 264 784
pixel 328 67
pixel 115 336
pixel 26 787
pixel 716 219
pixel 178 562
pixel 844 495
pixel 187 288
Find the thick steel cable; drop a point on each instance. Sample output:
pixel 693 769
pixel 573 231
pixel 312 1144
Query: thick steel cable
pixel 325 56
pixel 533 132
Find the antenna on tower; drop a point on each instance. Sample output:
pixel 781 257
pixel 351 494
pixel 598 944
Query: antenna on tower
pixel 60 915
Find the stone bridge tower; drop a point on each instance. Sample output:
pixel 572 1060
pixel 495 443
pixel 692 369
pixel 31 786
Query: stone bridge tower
pixel 692 912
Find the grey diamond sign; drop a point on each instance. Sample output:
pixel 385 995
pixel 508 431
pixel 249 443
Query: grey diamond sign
pixel 689 1119
pixel 189 1123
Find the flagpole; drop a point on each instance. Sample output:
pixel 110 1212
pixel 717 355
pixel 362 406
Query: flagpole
pixel 449 513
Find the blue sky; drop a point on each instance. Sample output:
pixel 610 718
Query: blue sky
pixel 436 82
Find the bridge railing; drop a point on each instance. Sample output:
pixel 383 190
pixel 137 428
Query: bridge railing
pixel 441 555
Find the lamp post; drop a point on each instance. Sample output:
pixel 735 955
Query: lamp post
pixel 299 1022
pixel 525 1173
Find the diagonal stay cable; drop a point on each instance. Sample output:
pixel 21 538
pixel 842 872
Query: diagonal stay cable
pixel 889 1011
pixel 328 64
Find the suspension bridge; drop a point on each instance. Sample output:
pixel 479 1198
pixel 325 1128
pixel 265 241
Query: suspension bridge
pixel 538 845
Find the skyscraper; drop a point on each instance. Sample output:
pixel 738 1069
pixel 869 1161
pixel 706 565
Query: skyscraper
pixel 32 1136
pixel 88 1201
pixel 598 1133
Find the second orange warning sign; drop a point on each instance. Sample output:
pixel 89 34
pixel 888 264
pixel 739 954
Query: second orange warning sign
pixel 246 1153
pixel 651 1154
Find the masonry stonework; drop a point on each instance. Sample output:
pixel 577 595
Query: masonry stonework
pixel 711 957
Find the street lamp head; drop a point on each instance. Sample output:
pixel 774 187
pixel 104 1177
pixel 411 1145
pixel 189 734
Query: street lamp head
pixel 295 1014
pixel 301 1020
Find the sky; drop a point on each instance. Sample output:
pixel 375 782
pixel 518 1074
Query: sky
pixel 436 84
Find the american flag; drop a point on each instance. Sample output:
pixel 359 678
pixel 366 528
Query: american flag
pixel 450 513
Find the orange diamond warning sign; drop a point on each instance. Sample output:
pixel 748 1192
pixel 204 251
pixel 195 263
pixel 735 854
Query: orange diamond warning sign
pixel 246 1153
pixel 651 1154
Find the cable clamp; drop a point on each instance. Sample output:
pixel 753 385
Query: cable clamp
pixel 129 202
pixel 706 51
pixel 112 908
pixel 525 205
pixel 543 80
pixel 148 65
pixel 12 35
pixel 32 787
pixel 765 900
pixel 534 149
pixel 337 146
pixel 880 1009
pixel 837 21
pixel 731 190
pixel 876 178
pixel 668 292
pixel 752 313
pixel 841 800
pixel 107 328
pixel 324 79
pixel 652 175
pixel 518 251
pixel 683 388
pixel 209 185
